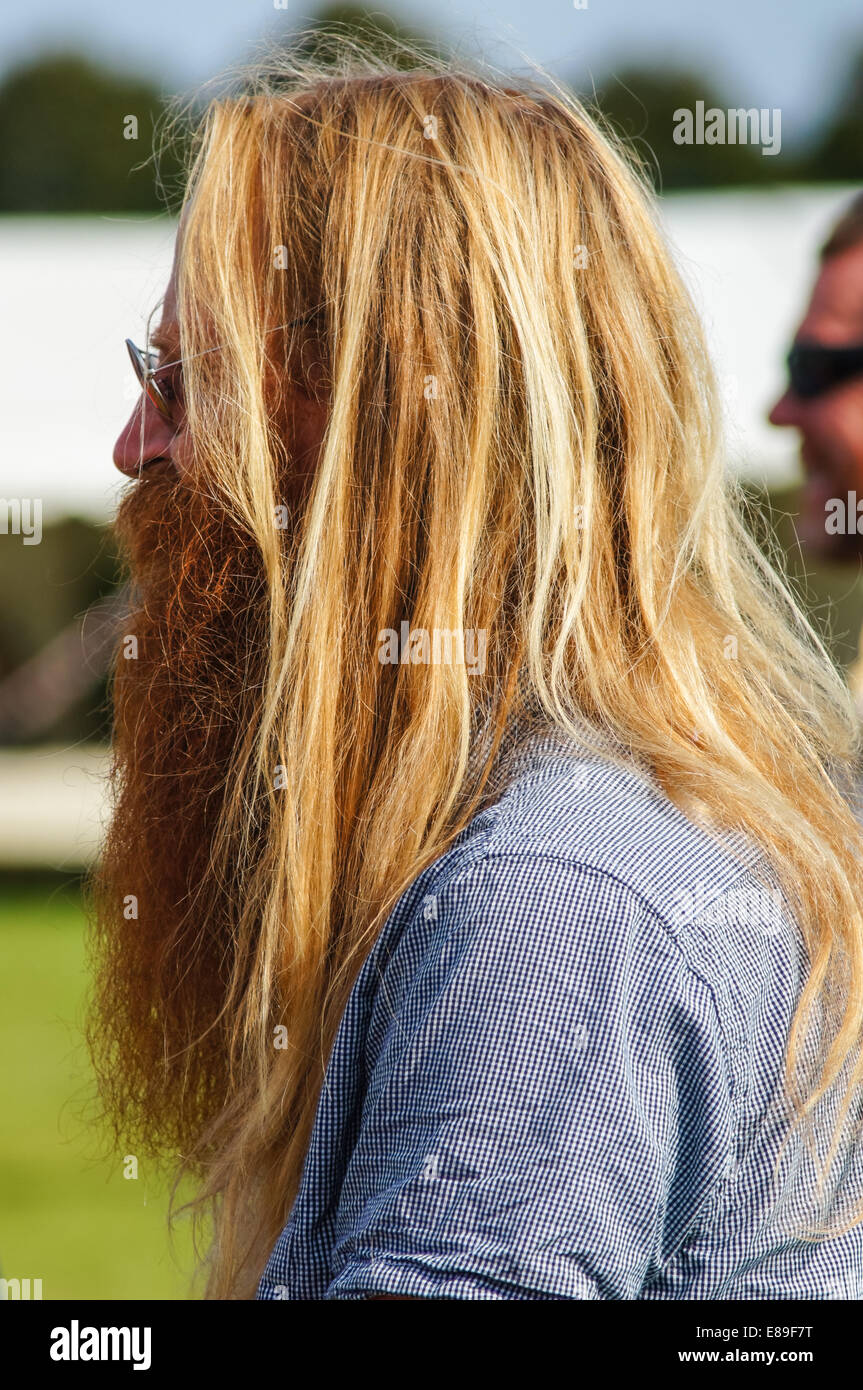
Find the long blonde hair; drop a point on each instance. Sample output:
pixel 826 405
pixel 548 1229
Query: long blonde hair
pixel 522 437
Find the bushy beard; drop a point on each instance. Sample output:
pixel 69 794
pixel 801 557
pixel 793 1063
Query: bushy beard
pixel 186 695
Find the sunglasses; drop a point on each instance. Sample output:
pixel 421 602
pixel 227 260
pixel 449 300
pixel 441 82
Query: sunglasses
pixel 814 369
pixel 164 395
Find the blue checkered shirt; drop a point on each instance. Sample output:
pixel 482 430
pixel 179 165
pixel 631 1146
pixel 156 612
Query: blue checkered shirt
pixel 558 1075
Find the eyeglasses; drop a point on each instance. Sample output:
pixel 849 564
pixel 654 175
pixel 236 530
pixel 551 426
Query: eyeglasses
pixel 814 369
pixel 146 366
pixel 163 395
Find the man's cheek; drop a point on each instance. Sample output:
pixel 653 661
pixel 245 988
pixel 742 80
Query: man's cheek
pixel 826 443
pixel 182 453
pixel 849 431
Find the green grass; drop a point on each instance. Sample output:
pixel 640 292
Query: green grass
pixel 67 1214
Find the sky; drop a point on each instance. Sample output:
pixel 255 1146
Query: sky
pixel 790 54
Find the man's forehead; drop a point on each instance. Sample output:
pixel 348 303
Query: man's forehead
pixel 835 311
pixel 166 335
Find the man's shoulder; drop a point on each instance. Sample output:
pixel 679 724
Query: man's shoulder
pixel 573 809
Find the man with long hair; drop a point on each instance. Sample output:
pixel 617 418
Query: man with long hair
pixel 479 916
pixel 824 403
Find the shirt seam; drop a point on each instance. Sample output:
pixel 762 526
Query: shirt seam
pixel 698 1216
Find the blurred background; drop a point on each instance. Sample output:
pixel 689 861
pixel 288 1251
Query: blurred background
pixel 86 235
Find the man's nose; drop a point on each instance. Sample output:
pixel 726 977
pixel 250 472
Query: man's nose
pixel 786 411
pixel 145 437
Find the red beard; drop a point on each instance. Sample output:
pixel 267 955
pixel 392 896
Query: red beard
pixel 162 945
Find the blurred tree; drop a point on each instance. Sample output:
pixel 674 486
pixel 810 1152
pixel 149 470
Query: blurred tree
pixel 65 127
pixel 839 152
pixel 74 565
pixel 374 29
pixel 60 588
pixel 65 146
pixel 640 104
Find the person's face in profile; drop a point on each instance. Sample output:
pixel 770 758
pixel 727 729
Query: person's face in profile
pixel 148 437
pixel 187 683
pixel 830 423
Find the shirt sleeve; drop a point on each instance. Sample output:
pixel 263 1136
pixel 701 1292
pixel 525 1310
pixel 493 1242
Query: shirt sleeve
pixel 548 1107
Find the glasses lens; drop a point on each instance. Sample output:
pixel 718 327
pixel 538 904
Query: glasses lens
pixel 814 369
pixel 144 364
pixel 158 400
pixel 136 357
pixel 809 371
